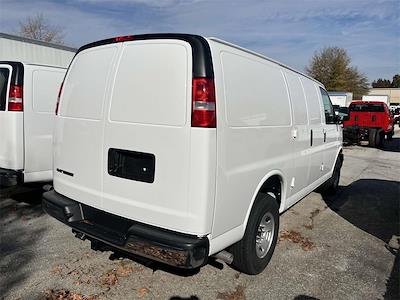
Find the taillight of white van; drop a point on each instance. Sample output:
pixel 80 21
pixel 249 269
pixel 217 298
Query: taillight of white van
pixel 15 98
pixel 203 103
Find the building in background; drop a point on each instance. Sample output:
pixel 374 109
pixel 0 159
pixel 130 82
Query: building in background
pixel 343 99
pixel 16 48
pixel 392 93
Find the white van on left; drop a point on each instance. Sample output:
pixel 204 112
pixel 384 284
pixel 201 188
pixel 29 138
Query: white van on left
pixel 31 73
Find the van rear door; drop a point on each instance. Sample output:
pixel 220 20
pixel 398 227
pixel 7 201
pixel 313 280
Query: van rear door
pixel 123 137
pixel 146 150
pixel 78 140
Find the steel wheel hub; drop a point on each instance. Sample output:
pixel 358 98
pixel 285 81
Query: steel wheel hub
pixel 265 235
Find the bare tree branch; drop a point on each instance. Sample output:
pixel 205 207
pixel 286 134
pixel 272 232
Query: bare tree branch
pixel 38 28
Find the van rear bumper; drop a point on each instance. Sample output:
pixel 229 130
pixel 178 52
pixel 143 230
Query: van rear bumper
pixel 169 247
pixel 10 178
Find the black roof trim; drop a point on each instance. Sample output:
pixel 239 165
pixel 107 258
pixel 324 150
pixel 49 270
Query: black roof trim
pixel 31 41
pixel 17 75
pixel 202 61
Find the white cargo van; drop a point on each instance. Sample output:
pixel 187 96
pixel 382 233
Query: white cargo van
pixel 177 147
pixel 28 95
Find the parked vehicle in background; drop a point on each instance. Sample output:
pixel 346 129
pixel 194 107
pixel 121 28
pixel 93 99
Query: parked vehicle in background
pixel 176 147
pixel 30 76
pixel 368 121
pixel 342 99
pixel 396 114
pixel 380 98
pixel 28 95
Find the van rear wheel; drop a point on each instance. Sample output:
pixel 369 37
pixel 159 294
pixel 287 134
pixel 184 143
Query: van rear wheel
pixel 252 254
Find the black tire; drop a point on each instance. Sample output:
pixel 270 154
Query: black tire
pixel 245 257
pixel 372 137
pixel 332 185
pixel 379 138
pixel 390 135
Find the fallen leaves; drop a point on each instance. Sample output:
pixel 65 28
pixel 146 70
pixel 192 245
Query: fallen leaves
pixel 124 271
pixel 237 294
pixel 296 238
pixel 66 295
pixel 109 279
pixel 142 292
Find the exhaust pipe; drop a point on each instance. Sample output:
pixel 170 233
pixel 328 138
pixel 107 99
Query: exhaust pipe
pixel 225 256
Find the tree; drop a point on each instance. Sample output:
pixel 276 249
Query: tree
pixel 381 83
pixel 38 28
pixel 331 66
pixel 385 83
pixel 396 81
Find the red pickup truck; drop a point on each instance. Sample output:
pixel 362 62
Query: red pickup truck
pixel 368 121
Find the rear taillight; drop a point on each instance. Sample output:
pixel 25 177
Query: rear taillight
pixel 203 103
pixel 58 98
pixel 15 98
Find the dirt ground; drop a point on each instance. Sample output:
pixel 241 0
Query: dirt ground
pixel 329 248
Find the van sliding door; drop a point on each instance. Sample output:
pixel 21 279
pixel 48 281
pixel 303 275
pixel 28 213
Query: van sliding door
pixel 299 177
pixel 315 134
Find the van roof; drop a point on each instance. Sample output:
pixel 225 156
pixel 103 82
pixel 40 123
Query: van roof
pixel 262 56
pixel 202 62
pixel 200 48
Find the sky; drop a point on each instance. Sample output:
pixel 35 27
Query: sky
pixel 289 31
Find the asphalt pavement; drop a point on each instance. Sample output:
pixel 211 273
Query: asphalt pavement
pixel 341 247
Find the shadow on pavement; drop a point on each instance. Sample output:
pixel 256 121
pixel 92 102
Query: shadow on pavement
pixel 17 239
pixel 373 206
pixel 392 146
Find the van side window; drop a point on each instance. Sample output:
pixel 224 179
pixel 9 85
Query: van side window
pixel 328 108
pixel 4 74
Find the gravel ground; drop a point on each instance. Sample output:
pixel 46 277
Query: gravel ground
pixel 329 248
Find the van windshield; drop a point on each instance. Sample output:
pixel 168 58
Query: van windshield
pixel 4 74
pixel 367 107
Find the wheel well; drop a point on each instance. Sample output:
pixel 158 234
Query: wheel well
pixel 273 185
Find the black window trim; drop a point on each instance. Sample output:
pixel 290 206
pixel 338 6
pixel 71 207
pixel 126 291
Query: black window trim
pixel 17 74
pixel 322 91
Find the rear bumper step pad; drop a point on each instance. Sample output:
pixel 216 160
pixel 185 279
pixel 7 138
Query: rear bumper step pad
pixel 172 248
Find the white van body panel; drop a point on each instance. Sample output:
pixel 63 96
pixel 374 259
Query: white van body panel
pixel 26 144
pixel 263 102
pixel 142 108
pixel 12 141
pixel 242 165
pixel 136 96
pixel 41 85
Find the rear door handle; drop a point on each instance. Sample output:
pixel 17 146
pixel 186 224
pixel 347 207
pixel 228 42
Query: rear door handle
pixel 324 135
pixel 311 138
